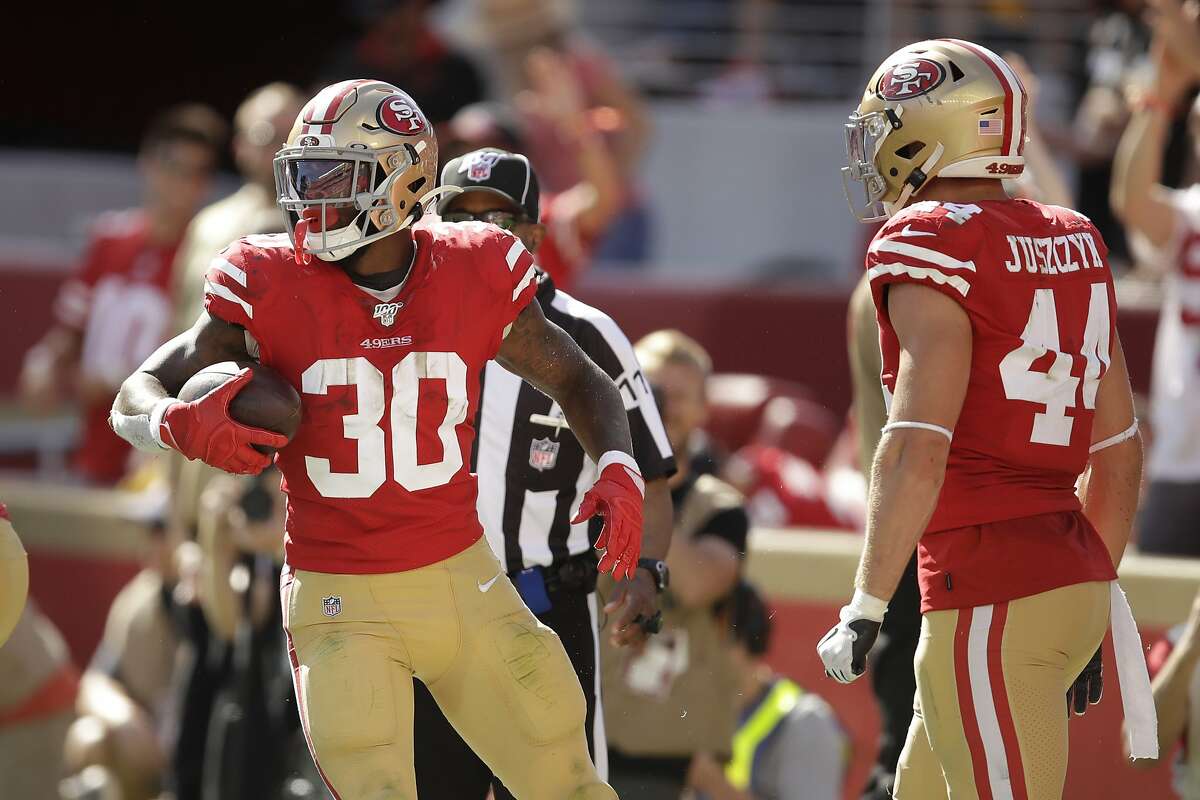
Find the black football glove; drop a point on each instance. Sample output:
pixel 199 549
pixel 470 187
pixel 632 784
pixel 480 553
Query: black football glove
pixel 844 649
pixel 1088 687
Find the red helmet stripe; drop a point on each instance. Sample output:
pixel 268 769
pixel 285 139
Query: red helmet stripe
pixel 1014 127
pixel 336 103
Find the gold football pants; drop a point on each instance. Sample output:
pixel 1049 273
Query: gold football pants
pixel 501 678
pixel 991 713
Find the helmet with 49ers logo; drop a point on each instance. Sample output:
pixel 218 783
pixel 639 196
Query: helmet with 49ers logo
pixel 941 108
pixel 359 164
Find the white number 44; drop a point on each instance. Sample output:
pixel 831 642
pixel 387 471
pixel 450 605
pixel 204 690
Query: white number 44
pixel 1056 388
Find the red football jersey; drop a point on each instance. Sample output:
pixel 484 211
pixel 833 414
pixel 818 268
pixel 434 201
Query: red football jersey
pixel 377 476
pixel 1035 282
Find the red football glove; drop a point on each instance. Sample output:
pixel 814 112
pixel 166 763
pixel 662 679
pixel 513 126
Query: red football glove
pixel 203 429
pixel 617 496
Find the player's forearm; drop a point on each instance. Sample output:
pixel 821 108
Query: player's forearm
pixel 140 392
pixel 593 408
pixel 1137 167
pixel 1171 688
pixel 910 466
pixel 1109 493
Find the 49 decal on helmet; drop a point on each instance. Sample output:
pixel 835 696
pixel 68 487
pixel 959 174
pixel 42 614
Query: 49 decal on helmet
pixel 359 164
pixel 941 108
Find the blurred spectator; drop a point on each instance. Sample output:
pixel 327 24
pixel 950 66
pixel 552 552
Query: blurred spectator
pixel 115 310
pixel 397 45
pixel 746 78
pixel 37 699
pixel 517 35
pixel 674 697
pixel 1164 227
pixel 125 702
pixel 1041 180
pixel 260 125
pixel 1175 680
pixel 254 740
pixel 573 219
pixel 789 744
pixel 1118 43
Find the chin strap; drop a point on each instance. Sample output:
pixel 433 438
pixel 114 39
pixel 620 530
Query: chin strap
pixel 921 176
pixel 435 194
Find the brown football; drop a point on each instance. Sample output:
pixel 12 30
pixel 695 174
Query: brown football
pixel 267 401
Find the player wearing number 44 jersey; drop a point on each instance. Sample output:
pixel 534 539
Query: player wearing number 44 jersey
pixel 1005 381
pixel 384 330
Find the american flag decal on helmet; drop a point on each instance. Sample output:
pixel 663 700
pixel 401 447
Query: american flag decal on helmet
pixel 991 127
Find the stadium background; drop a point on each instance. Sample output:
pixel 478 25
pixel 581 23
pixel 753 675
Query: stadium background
pixel 750 251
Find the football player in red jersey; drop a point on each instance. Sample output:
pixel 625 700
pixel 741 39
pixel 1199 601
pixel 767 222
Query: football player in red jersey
pixel 384 329
pixel 1005 382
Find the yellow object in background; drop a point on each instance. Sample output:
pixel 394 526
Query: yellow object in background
pixel 14 579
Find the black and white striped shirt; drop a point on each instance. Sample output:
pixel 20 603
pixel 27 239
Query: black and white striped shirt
pixel 532 470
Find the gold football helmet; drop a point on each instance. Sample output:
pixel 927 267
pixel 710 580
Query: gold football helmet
pixel 359 164
pixel 940 108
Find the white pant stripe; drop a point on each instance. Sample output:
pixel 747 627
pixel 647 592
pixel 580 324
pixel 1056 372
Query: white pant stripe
pixel 985 706
pixel 599 739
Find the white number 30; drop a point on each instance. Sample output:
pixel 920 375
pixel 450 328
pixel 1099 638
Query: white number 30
pixel 1056 388
pixel 364 428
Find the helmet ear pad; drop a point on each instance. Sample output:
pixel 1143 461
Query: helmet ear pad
pixel 912 157
pixel 407 188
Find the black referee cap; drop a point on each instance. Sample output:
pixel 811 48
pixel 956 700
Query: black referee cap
pixel 500 172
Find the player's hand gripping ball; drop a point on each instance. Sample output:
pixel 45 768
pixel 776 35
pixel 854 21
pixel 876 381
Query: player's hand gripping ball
pixel 617 496
pixel 232 417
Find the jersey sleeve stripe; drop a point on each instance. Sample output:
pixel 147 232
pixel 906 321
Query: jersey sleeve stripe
pixel 514 255
pixel 956 282
pixel 530 274
pixel 920 253
pixel 222 265
pixel 218 290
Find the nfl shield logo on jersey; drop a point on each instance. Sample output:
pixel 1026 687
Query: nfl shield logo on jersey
pixel 331 606
pixel 543 454
pixel 386 312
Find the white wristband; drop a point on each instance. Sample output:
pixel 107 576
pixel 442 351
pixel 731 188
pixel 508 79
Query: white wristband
pixel 156 416
pixel 865 605
pixel 624 459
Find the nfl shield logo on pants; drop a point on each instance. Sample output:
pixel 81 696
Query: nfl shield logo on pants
pixel 331 606
pixel 543 454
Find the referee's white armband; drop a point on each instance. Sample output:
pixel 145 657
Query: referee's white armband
pixel 142 430
pixel 1123 436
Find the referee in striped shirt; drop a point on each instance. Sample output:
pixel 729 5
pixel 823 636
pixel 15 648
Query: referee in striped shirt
pixel 532 475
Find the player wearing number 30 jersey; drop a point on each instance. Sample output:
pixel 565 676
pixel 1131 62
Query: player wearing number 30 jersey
pixel 1005 382
pixel 384 328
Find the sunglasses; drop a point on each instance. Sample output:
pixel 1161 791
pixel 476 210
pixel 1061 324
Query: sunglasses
pixel 505 220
